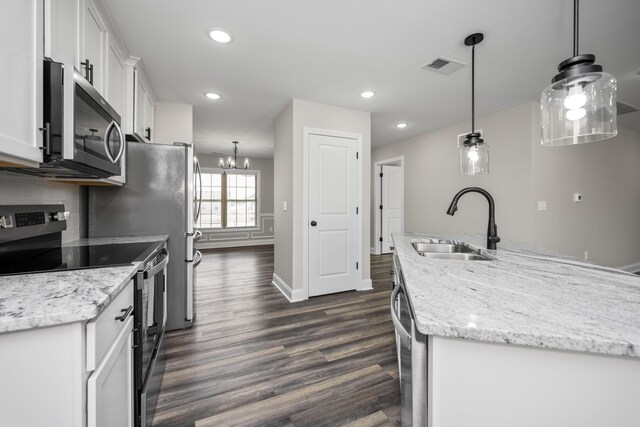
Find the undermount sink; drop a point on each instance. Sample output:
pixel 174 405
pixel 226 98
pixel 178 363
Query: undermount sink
pixel 449 250
pixel 441 247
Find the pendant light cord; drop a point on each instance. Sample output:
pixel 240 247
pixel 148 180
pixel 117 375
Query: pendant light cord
pixel 576 5
pixel 473 79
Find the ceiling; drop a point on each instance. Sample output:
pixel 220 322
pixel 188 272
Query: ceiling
pixel 331 51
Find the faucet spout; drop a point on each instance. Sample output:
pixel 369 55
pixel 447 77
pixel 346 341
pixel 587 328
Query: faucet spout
pixel 492 228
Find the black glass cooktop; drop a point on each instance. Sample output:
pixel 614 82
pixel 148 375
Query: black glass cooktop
pixel 70 257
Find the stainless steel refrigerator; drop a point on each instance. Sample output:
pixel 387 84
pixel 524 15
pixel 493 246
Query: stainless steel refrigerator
pixel 159 197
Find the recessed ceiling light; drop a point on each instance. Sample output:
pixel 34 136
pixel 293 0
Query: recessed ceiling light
pixel 401 125
pixel 367 94
pixel 212 95
pixel 220 35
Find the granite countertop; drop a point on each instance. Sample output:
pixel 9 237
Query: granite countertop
pixel 524 296
pixel 37 300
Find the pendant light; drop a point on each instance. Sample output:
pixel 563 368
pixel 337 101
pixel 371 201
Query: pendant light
pixel 231 162
pixel 474 152
pixel 580 104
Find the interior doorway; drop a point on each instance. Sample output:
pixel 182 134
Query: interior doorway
pixel 388 202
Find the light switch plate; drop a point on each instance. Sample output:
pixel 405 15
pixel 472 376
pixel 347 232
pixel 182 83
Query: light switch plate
pixel 284 206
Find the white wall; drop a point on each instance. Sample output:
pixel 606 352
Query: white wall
pixel 523 172
pixel 173 122
pixel 288 173
pixel 283 192
pixel 19 189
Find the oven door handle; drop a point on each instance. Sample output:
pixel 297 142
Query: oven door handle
pixel 405 337
pixel 107 134
pixel 198 259
pixel 160 266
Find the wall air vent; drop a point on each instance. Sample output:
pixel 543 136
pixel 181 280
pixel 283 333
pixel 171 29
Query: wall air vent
pixel 443 65
pixel 625 108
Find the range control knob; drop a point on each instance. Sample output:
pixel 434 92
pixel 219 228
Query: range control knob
pixel 6 222
pixel 59 216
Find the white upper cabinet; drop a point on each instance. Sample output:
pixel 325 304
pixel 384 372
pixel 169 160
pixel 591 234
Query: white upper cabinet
pixel 115 84
pixel 93 46
pixel 144 106
pixel 21 56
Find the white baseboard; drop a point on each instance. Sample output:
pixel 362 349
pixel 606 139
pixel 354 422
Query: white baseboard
pixel 365 285
pixel 233 244
pixel 293 295
pixel 631 268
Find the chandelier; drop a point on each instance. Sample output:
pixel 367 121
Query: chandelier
pixel 232 162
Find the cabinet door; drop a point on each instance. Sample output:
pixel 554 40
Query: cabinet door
pixel 149 110
pixel 110 387
pixel 21 55
pixel 94 37
pixel 144 109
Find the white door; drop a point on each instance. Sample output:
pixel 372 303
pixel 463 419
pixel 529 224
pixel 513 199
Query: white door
pixel 391 205
pixel 333 221
pixel 21 55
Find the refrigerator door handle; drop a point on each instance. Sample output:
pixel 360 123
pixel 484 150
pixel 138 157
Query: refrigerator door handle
pixel 197 259
pixel 199 172
pixel 197 235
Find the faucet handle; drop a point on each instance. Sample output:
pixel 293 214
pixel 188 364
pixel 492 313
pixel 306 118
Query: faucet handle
pixel 494 238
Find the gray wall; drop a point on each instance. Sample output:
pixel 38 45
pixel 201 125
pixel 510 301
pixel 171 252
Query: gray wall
pixel 283 191
pixel 264 233
pixel 288 161
pixel 18 189
pixel 523 172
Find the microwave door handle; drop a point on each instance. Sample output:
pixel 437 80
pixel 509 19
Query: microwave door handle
pixel 107 134
pixel 121 150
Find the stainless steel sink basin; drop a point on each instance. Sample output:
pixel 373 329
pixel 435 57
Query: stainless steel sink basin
pixel 441 247
pixel 455 256
pixel 449 250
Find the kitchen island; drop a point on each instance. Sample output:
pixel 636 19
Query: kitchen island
pixel 528 337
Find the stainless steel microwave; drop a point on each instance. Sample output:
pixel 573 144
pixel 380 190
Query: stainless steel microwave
pixel 86 143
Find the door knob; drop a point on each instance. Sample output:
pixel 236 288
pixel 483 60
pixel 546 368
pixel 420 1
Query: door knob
pixel 313 223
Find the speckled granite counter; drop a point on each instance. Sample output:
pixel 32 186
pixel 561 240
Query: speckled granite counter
pixel 524 296
pixel 46 299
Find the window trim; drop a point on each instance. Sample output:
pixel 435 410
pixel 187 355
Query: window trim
pixel 258 225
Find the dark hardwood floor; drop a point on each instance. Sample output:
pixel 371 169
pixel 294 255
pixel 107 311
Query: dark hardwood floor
pixel 254 359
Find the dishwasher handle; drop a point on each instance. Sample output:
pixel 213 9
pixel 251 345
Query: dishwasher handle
pixel 405 337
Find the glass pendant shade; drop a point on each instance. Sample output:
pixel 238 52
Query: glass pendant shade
pixel 579 109
pixel 474 159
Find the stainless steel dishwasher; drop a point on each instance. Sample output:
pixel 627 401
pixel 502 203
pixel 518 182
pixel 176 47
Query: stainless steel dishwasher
pixel 411 346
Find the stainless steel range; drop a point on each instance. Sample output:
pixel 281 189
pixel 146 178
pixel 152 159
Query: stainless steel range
pixel 31 242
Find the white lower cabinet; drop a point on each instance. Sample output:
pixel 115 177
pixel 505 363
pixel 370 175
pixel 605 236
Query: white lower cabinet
pixel 110 387
pixel 49 379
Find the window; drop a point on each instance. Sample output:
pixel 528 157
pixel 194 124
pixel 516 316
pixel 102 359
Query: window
pixel 229 200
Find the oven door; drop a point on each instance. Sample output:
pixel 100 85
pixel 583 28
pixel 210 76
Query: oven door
pixel 151 318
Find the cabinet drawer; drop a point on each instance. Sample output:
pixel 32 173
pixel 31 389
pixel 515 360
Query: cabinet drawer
pixel 103 330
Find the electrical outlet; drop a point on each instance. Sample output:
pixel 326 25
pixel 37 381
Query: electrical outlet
pixel 542 205
pixel 270 229
pixel 586 255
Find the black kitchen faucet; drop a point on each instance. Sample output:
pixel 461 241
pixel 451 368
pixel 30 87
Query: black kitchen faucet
pixel 492 230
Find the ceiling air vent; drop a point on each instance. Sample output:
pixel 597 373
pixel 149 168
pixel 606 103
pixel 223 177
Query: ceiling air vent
pixel 443 65
pixel 625 108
